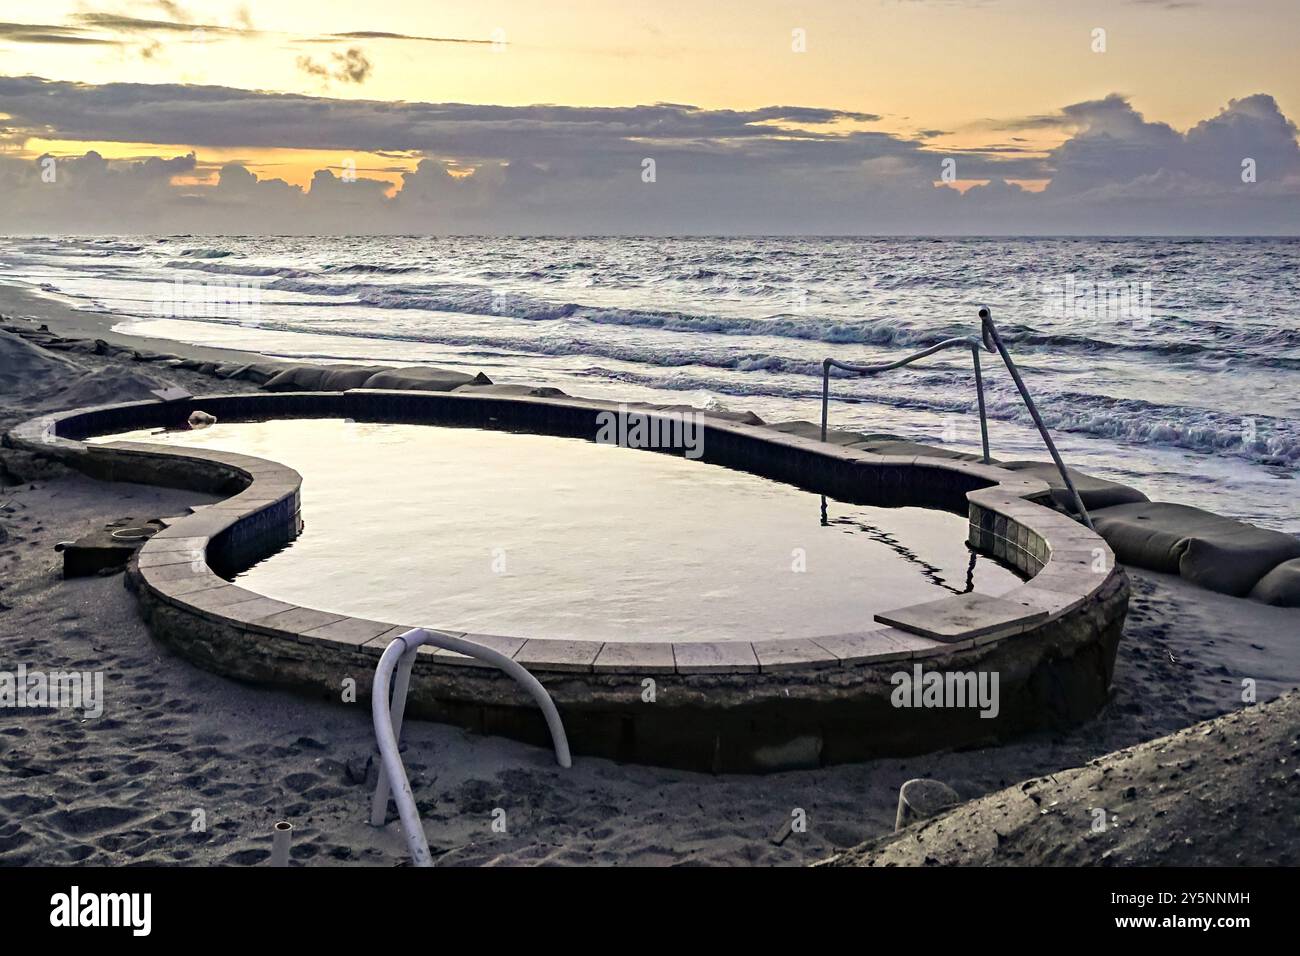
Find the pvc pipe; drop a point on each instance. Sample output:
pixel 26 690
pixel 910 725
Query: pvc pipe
pixel 391 761
pixel 400 656
pixel 379 801
pixel 921 799
pixel 559 739
pixel 280 838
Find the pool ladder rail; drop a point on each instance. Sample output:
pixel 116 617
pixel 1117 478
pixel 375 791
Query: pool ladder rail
pixel 988 340
pixel 399 658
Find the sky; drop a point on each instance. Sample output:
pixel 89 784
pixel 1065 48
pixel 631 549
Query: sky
pixel 576 116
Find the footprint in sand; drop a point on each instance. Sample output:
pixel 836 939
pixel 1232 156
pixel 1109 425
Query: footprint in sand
pixel 93 819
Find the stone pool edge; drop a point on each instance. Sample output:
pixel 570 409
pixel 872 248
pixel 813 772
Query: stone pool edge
pixel 733 705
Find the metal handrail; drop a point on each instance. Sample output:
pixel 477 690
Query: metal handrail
pixel 970 343
pixel 993 341
pixel 990 340
pixel 400 656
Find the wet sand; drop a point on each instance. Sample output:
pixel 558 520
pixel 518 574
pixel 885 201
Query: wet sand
pixel 24 302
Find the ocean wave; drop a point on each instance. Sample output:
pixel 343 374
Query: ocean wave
pixel 237 269
pixel 98 246
pixel 373 269
pixel 1260 440
pixel 205 253
pixel 1248 345
pixel 1242 350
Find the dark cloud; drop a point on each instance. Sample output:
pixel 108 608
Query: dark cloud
pixel 379 35
pixel 102 28
pixel 43 33
pixel 123 24
pixel 1116 145
pixel 595 136
pixel 350 67
pixel 566 169
pixel 353 66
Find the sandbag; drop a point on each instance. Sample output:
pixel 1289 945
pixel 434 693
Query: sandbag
pixel 92 347
pixel 1095 492
pixel 1214 552
pixel 1237 562
pixel 1151 534
pixel 259 372
pixel 909 449
pixel 534 391
pixel 722 414
pixel 322 378
pixel 1281 586
pixel 422 378
pixel 814 431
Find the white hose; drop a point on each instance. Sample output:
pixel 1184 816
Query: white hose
pixel 400 655
pixel 391 761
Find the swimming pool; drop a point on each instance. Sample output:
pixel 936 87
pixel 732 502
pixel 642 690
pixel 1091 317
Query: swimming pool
pixel 618 542
pixel 495 532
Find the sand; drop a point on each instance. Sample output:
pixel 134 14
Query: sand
pixel 23 302
pixel 177 745
pixel 1222 791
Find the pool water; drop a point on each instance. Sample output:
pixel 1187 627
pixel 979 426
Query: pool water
pixel 536 536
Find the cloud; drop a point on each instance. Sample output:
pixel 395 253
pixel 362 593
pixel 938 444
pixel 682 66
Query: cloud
pixel 381 35
pixel 123 24
pixel 566 169
pixel 114 29
pixel 173 10
pixel 349 67
pixel 593 136
pixel 1116 145
pixel 353 65
pixel 44 33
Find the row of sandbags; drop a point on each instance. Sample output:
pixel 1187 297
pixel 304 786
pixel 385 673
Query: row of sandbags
pixel 1217 553
pixel 309 377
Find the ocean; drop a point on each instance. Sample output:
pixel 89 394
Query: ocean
pixel 1171 364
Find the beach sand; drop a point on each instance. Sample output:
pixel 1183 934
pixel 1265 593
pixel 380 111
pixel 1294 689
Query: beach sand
pixel 1220 792
pixel 23 302
pixel 177 745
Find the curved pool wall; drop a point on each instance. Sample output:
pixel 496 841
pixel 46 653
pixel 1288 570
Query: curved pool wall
pixel 725 706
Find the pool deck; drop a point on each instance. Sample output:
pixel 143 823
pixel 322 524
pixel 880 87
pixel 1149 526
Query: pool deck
pixel 729 705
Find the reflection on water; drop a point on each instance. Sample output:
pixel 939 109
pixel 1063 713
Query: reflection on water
pixel 539 536
pixel 932 573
